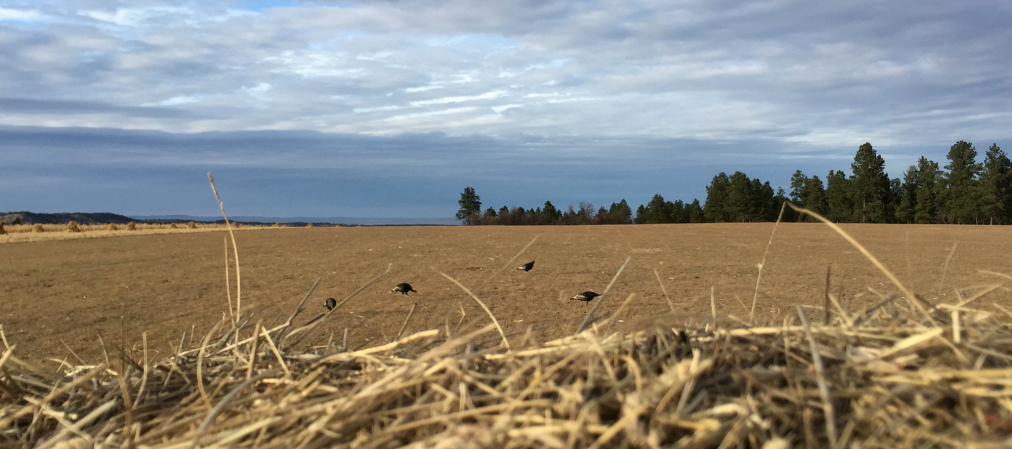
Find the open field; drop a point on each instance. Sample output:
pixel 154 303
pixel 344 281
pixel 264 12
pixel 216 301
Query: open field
pixel 75 290
pixel 35 233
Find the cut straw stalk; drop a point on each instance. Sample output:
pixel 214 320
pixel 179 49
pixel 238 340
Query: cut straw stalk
pixel 762 264
pixel 235 249
pixel 505 341
pixel 867 254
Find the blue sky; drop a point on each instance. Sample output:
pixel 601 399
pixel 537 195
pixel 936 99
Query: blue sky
pixel 391 108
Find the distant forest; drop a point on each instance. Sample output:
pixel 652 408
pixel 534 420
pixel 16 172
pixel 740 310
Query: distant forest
pixel 962 192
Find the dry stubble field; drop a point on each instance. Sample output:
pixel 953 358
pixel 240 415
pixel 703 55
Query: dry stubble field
pixel 122 286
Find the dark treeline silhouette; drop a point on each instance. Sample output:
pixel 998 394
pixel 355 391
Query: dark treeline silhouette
pixel 962 192
pixel 618 213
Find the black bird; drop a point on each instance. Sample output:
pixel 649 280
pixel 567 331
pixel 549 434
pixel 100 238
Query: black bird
pixel 330 303
pixel 404 288
pixel 585 296
pixel 527 266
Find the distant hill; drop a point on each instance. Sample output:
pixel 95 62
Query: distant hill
pixel 64 217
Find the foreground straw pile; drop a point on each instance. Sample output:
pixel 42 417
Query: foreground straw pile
pixel 913 380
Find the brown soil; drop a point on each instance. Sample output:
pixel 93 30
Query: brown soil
pixel 119 287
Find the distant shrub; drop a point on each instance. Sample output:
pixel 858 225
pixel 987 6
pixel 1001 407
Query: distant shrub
pixel 131 226
pixel 38 228
pixel 113 227
pixel 191 225
pixel 309 225
pixel 2 231
pixel 72 226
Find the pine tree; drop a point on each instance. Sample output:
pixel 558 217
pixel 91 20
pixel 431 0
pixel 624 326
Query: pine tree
pixel 657 210
pixel 695 212
pixel 813 196
pixel 908 195
pixel 869 186
pixel 961 196
pixel 798 181
pixel 470 206
pixel 839 205
pixel 550 215
pixel 929 186
pixel 716 197
pixel 641 215
pixel 620 212
pixel 996 186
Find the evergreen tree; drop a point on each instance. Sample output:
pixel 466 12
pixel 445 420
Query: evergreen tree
pixel 741 203
pixel 813 197
pixel 764 201
pixel 620 212
pixel 676 212
pixel 798 181
pixel 961 184
pixel 470 206
pixel 641 215
pixel 657 210
pixel 869 186
pixel 695 212
pixel 996 186
pixel 908 195
pixel 550 215
pixel 839 205
pixel 716 197
pixel 778 202
pixel 929 185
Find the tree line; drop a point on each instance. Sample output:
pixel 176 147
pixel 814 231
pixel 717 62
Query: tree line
pixel 961 192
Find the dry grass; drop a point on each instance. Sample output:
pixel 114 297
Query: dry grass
pixel 191 225
pixel 113 227
pixel 72 226
pixel 309 225
pixel 131 226
pixel 893 381
pixel 2 230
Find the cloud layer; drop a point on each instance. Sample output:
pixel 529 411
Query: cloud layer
pixel 558 86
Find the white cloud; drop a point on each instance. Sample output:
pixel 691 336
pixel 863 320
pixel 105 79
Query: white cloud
pixel 19 15
pixel 461 99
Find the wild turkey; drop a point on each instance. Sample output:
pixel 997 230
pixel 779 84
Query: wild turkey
pixel 403 288
pixel 527 266
pixel 585 296
pixel 330 303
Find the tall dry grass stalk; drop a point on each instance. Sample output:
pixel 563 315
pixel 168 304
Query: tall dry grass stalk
pixel 113 227
pixel 38 228
pixel 191 225
pixel 72 226
pixel 131 226
pixel 235 249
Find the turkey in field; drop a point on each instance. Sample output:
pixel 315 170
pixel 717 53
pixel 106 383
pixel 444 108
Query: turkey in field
pixel 403 288
pixel 330 303
pixel 527 266
pixel 585 296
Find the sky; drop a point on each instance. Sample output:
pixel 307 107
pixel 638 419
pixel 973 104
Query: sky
pixel 390 108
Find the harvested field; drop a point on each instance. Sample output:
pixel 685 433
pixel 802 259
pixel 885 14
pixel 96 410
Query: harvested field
pixel 904 372
pixel 40 232
pixel 164 285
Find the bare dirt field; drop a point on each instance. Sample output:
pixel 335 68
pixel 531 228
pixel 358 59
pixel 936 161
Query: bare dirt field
pixel 76 290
